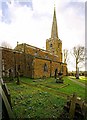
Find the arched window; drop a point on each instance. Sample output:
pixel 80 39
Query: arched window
pixel 45 67
pixel 46 56
pixel 29 68
pixel 51 45
pixel 56 72
pixel 19 67
pixel 36 53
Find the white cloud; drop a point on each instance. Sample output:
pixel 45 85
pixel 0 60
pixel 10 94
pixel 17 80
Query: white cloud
pixel 34 26
pixel 71 25
pixel 0 14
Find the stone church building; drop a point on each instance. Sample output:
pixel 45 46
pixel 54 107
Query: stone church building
pixel 34 62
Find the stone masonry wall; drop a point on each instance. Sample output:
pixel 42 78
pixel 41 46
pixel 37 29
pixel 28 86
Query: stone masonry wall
pixel 37 52
pixel 7 61
pixel 54 66
pixel 29 65
pixel 39 68
pixel 16 61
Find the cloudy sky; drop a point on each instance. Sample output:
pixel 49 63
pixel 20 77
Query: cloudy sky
pixel 30 21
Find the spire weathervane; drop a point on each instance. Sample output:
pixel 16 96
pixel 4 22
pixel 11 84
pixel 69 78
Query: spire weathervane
pixel 54 3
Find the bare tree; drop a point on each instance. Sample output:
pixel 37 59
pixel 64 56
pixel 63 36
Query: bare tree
pixel 5 44
pixel 65 55
pixel 79 54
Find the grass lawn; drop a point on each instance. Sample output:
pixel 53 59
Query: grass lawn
pixel 41 98
pixel 81 79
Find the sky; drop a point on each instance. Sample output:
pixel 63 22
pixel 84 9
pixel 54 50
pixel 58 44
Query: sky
pixel 30 21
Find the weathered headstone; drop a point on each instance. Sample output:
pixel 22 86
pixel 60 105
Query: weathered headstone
pixel 59 78
pixel 18 77
pixel 0 107
pixel 72 107
pixel 5 89
pixel 10 74
pixel 6 112
pixel 76 107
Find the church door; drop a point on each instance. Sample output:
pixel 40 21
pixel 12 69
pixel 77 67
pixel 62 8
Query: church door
pixel 56 71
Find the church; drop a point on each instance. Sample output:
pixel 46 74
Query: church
pixel 32 61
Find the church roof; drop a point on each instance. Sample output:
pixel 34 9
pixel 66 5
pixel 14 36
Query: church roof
pixel 36 52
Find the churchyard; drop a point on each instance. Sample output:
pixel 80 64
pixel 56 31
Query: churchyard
pixel 42 98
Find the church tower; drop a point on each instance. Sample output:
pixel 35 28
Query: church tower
pixel 54 44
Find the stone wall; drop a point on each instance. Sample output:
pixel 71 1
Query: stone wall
pixel 7 61
pixel 54 46
pixel 54 66
pixel 28 71
pixel 29 65
pixel 41 68
pixel 16 61
pixel 39 72
pixel 37 52
pixel 45 55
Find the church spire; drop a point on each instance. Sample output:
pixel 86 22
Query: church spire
pixel 54 31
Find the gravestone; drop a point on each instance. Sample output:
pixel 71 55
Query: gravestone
pixel 18 77
pixel 0 107
pixel 76 107
pixel 11 74
pixel 72 107
pixel 6 112
pixel 59 79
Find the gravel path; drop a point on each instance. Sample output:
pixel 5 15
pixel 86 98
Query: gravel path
pixel 79 83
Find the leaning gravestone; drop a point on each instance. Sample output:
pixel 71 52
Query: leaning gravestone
pixel 72 107
pixel 0 107
pixel 6 112
pixel 76 108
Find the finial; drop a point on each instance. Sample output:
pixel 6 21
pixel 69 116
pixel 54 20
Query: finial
pixel 54 4
pixel 54 31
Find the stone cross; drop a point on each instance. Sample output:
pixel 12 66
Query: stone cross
pixel 72 107
pixel 75 100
